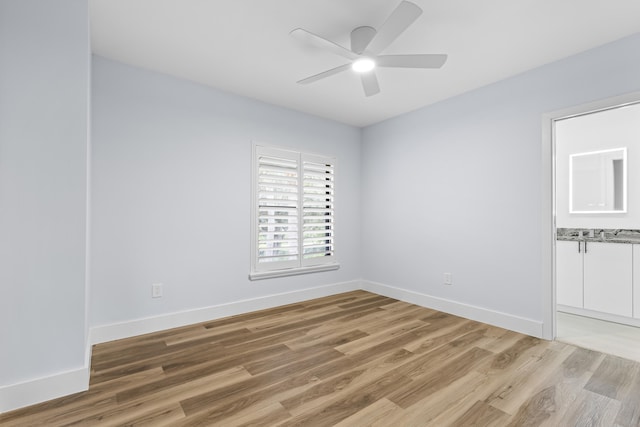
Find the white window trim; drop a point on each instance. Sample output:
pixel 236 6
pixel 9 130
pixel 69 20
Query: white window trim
pixel 289 270
pixel 259 275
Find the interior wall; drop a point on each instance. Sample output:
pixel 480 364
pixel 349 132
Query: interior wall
pixel 44 89
pixel 456 187
pixel 614 128
pixel 171 195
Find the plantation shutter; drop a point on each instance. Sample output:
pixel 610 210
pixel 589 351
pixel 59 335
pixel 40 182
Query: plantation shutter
pixel 278 203
pixel 317 210
pixel 293 212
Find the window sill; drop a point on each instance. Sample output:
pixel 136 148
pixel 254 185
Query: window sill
pixel 259 275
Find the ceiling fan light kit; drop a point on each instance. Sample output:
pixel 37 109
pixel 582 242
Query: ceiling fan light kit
pixel 363 65
pixel 366 45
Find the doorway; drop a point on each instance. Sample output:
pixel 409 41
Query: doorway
pixel 594 298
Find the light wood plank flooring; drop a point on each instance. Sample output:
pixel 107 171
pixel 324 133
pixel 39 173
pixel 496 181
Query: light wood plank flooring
pixel 355 359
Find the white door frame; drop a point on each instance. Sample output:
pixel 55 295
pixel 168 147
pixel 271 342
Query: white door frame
pixel 548 214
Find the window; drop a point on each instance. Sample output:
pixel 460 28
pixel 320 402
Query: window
pixel 293 223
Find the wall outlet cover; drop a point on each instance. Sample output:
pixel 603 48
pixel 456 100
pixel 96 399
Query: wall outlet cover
pixel 156 290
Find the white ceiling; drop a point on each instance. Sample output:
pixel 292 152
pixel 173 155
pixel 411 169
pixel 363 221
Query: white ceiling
pixel 244 47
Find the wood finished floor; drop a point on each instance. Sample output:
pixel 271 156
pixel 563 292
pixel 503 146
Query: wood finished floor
pixel 354 359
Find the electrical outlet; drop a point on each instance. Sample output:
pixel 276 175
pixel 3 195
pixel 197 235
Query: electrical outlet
pixel 156 290
pixel 448 279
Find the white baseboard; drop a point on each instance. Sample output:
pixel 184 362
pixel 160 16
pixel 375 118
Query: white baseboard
pixel 115 331
pixel 480 314
pixel 15 396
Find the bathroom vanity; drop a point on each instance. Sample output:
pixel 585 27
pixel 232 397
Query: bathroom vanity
pixel 595 273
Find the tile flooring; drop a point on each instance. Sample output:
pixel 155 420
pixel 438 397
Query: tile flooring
pixel 607 337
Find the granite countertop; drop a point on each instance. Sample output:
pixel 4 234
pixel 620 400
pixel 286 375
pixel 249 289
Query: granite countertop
pixel 609 236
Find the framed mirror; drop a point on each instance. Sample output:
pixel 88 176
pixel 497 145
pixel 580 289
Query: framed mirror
pixel 598 182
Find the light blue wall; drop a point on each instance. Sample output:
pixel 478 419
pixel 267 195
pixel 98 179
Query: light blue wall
pixel 171 192
pixel 44 89
pixel 456 187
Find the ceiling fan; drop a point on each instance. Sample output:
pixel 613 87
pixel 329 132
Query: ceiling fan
pixel 366 45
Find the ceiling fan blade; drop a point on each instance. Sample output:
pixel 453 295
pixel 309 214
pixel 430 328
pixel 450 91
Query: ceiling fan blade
pixel 361 37
pixel 370 83
pixel 412 61
pixel 404 15
pixel 324 74
pixel 322 43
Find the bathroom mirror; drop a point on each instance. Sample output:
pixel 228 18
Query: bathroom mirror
pixel 598 181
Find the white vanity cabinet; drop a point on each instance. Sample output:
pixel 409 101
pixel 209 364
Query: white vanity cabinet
pixel 608 278
pixel 569 273
pixel 598 278
pixel 636 281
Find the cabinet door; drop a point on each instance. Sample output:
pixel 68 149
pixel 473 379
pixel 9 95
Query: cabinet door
pixel 608 278
pixel 568 274
pixel 636 281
